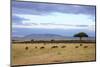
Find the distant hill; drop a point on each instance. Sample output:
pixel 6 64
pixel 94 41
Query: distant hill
pixel 40 37
pixel 48 37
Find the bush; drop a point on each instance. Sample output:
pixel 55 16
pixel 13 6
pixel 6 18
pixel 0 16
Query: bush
pixel 63 46
pixel 42 47
pixel 85 46
pixel 35 46
pixel 81 44
pixel 54 47
pixel 26 48
pixel 76 46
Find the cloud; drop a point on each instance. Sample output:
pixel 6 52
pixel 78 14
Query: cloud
pixel 28 16
pixel 58 18
pixel 45 8
pixel 89 27
pixel 55 21
pixel 17 20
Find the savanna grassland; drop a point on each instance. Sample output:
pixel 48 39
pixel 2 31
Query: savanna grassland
pixel 40 53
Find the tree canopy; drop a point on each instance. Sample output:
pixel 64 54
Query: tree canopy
pixel 81 34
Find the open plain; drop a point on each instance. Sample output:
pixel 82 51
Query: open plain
pixel 44 53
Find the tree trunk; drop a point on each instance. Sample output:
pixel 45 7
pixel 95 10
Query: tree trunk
pixel 80 38
pixel 80 41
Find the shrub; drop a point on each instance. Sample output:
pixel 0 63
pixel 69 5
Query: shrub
pixel 26 48
pixel 35 46
pixel 81 44
pixel 54 47
pixel 42 47
pixel 76 46
pixel 85 46
pixel 63 46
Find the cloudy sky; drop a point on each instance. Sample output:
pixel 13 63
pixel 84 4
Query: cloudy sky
pixel 44 18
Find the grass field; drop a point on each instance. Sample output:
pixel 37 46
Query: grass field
pixel 39 53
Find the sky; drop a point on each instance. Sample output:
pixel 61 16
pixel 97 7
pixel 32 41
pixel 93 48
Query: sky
pixel 46 18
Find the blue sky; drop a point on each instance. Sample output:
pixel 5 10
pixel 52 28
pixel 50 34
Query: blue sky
pixel 43 18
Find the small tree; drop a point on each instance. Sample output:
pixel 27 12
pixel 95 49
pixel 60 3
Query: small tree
pixel 81 34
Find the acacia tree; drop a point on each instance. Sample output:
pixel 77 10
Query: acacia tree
pixel 80 35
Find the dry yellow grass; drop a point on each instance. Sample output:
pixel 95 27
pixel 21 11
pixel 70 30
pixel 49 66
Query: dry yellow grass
pixel 70 53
